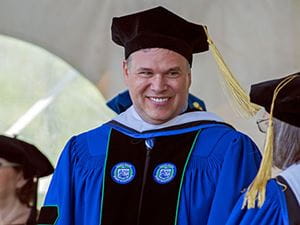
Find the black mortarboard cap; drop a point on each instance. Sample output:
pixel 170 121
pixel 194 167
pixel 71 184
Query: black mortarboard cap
pixel 287 102
pixel 159 28
pixel 34 163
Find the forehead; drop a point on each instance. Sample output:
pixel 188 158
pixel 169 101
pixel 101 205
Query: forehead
pixel 156 56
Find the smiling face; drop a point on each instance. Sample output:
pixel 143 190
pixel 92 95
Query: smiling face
pixel 158 81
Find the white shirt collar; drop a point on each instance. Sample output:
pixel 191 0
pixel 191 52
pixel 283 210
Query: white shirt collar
pixel 131 118
pixel 292 177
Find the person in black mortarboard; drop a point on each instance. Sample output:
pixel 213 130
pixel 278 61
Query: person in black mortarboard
pixel 21 164
pixel 157 162
pixel 275 201
pixel 180 40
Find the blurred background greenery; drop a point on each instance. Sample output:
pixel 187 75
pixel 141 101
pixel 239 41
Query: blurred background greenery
pixel 29 74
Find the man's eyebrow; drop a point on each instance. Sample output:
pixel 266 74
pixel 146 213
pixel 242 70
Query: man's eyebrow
pixel 144 68
pixel 176 68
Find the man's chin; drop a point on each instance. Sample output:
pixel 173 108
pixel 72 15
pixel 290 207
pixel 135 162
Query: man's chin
pixel 159 119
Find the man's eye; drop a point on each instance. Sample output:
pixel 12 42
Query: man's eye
pixel 173 73
pixel 145 73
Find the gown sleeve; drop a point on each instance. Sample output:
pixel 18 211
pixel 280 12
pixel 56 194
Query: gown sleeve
pixel 75 189
pixel 224 162
pixel 239 167
pixel 272 212
pixel 59 196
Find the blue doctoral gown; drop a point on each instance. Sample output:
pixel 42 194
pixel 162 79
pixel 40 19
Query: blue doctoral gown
pixel 223 162
pixel 273 212
pixel 282 204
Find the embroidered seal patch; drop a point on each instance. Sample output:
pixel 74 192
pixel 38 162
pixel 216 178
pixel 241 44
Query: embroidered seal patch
pixel 164 173
pixel 123 173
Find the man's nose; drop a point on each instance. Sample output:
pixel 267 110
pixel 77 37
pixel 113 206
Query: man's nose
pixel 158 83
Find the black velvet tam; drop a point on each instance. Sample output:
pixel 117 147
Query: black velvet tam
pixel 287 103
pixel 34 163
pixel 159 28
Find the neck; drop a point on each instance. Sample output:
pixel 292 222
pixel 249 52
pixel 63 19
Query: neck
pixel 12 211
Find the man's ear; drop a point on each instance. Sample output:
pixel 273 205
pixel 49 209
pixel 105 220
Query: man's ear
pixel 125 70
pixel 190 79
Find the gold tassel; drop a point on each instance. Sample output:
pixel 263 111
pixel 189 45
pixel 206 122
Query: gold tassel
pixel 257 189
pixel 241 98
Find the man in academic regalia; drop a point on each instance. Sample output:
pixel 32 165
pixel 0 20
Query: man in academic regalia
pixel 159 162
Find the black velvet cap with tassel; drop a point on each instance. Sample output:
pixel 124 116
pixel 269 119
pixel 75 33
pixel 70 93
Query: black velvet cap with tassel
pixel 161 28
pixel 33 162
pixel 287 103
pixel 158 28
pixel 280 97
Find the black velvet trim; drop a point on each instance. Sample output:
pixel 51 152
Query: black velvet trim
pixel 292 203
pixel 121 202
pixel 175 127
pixel 48 215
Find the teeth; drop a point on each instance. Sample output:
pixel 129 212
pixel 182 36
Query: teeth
pixel 159 99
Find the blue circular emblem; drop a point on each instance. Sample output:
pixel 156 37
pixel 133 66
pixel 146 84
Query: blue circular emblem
pixel 123 173
pixel 164 173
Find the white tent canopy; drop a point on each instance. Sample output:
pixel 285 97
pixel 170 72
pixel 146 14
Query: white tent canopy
pixel 258 39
